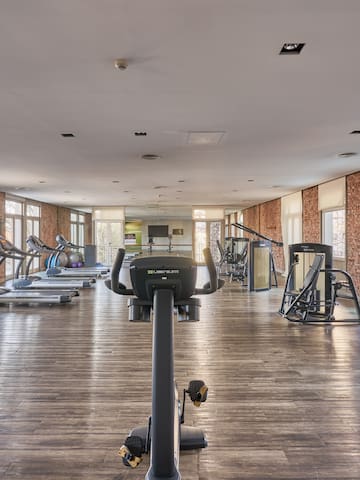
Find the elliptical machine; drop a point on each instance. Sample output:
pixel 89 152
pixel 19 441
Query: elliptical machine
pixel 164 284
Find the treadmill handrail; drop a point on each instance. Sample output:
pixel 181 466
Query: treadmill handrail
pixel 260 235
pixel 61 240
pixel 7 248
pixel 38 245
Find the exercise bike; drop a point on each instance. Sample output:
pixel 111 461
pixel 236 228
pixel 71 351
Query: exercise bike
pixel 164 285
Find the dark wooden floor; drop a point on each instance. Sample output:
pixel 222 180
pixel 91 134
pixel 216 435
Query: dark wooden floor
pixel 284 399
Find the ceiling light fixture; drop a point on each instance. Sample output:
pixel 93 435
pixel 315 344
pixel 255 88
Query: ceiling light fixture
pixel 115 181
pixel 140 134
pixel 347 154
pixel 121 64
pixel 291 48
pixel 150 156
pixel 68 135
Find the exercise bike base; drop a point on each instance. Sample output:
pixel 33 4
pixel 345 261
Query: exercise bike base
pixel 151 476
pixel 191 438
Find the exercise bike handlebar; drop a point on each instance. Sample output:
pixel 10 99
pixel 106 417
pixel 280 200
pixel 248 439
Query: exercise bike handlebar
pixel 214 283
pixel 113 283
pixel 117 287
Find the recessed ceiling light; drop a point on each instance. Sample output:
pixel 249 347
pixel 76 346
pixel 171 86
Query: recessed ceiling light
pixel 347 154
pixel 181 181
pixel 42 181
pixel 150 156
pixel 140 134
pixel 68 135
pixel 159 187
pixel 115 181
pixel 204 138
pixel 126 191
pixel 178 191
pixel 355 132
pixel 251 180
pixel 291 48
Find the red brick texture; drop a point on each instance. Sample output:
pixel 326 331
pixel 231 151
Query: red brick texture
pixel 311 216
pixel 63 223
pixel 48 224
pixel 353 227
pixel 270 225
pixel 252 218
pixel 88 229
pixel 266 219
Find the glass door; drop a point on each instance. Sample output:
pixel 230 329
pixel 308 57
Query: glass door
pixel 109 237
pixel 207 234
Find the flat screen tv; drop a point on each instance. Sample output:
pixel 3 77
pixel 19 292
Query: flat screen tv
pixel 158 231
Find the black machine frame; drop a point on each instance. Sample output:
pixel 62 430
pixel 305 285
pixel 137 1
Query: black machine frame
pixel 315 300
pixel 261 269
pixel 162 292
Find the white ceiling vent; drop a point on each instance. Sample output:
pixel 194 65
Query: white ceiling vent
pixel 205 138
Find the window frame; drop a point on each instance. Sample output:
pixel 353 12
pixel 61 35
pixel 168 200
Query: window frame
pixel 323 233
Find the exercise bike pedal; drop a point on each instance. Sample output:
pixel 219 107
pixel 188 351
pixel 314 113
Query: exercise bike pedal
pixel 131 451
pixel 197 391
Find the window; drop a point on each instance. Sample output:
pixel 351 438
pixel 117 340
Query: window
pixel 22 219
pixel 333 231
pixel 32 227
pixel 13 231
pixel 77 228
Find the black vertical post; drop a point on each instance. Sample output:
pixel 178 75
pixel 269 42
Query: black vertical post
pixel 163 398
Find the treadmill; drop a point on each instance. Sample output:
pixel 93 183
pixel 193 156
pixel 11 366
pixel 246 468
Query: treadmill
pixel 9 296
pixel 62 244
pixel 36 246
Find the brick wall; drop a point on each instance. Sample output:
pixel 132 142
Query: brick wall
pixel 63 223
pixel 311 216
pixel 88 229
pixel 270 226
pixel 353 227
pixel 48 224
pixel 252 218
pixel 265 218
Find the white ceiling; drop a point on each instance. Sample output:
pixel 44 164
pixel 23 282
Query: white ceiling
pixel 194 65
